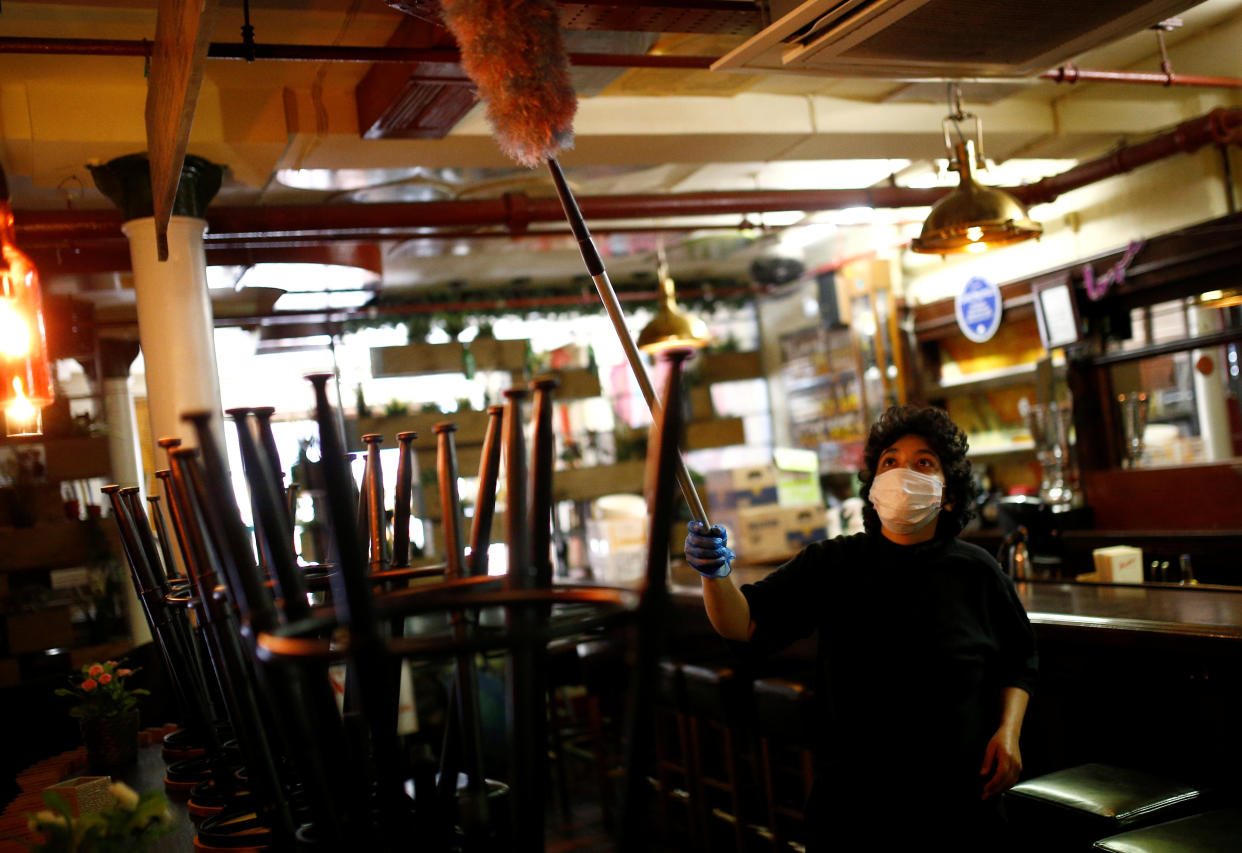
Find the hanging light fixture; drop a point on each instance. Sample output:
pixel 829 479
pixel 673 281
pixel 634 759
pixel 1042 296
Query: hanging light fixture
pixel 25 371
pixel 972 218
pixel 671 328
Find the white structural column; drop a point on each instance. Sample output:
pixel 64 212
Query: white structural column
pixel 175 327
pixel 119 415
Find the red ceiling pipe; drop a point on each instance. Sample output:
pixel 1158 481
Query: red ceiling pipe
pixel 265 242
pixel 343 221
pixel 328 53
pixel 1219 127
pixel 393 220
pixel 1074 74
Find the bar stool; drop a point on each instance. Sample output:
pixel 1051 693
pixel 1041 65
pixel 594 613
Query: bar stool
pixel 1209 832
pixel 719 708
pixel 564 674
pixel 674 766
pixel 784 714
pixel 1080 805
pixel 603 671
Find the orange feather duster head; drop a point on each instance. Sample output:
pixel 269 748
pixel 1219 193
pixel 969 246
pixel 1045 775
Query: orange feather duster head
pixel 514 53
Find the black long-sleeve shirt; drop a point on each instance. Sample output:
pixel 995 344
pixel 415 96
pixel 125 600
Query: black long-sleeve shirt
pixel 915 645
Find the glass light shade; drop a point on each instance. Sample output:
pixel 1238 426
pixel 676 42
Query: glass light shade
pixel 672 328
pixel 25 370
pixel 974 218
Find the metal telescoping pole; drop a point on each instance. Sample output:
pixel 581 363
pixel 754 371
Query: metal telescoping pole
pixel 607 295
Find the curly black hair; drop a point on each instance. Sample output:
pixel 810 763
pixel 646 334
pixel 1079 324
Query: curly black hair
pixel 949 443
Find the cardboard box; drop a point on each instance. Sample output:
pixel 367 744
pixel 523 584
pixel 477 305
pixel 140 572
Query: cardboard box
pixel 755 532
pixel 741 487
pixel 790 480
pixel 804 525
pixel 766 533
pixel 797 477
pixel 1119 564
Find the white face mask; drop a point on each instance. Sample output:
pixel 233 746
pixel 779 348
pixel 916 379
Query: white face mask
pixel 906 500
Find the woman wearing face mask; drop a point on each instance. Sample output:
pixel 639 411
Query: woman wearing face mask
pixel 926 658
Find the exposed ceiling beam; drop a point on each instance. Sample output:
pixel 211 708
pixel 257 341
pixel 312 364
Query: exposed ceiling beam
pixel 182 33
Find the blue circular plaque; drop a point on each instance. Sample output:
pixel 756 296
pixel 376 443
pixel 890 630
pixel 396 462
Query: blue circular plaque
pixel 978 308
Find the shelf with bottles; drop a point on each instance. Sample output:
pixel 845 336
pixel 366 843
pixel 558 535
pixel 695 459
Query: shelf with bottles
pixel 999 377
pixel 999 443
pixel 1015 355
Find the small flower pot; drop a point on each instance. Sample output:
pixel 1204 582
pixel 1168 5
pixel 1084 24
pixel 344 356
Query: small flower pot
pixel 85 794
pixel 111 742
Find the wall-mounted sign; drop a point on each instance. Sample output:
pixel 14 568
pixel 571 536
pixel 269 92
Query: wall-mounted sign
pixel 1056 311
pixel 978 308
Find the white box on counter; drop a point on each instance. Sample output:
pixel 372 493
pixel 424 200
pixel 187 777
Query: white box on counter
pixel 1119 564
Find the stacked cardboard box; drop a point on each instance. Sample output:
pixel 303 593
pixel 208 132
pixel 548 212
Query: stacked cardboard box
pixel 771 511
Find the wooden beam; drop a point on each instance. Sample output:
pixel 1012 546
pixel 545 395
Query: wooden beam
pixel 182 35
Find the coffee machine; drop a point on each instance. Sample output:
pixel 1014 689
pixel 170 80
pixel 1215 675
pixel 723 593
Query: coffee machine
pixel 1044 524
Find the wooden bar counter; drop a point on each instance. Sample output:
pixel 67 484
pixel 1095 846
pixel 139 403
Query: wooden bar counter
pixel 1147 676
pixel 1169 610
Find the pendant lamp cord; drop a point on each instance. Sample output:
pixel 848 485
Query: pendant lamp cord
pixel 247 32
pixel 956 116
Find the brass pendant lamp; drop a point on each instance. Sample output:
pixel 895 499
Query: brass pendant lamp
pixel 671 328
pixel 972 218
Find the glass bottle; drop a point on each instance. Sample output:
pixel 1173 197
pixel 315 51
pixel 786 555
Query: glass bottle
pixel 1188 574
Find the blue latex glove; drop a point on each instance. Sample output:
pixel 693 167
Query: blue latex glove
pixel 707 551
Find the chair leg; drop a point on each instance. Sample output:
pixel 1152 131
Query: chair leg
pixel 556 715
pixel 769 792
pixel 734 777
pixel 599 748
pixel 700 810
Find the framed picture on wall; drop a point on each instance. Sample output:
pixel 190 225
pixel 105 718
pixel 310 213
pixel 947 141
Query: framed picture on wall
pixel 1057 311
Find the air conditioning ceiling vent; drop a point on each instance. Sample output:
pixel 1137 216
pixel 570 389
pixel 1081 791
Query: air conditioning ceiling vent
pixel 938 39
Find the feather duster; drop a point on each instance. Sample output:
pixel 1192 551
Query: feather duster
pixel 514 53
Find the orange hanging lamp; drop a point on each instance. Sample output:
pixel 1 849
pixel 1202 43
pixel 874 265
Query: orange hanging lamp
pixel 25 370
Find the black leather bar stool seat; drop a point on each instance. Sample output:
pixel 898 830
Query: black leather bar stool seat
pixel 784 715
pixel 718 704
pixel 1210 832
pixel 1092 801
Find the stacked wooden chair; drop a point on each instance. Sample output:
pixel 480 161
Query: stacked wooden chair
pixel 309 775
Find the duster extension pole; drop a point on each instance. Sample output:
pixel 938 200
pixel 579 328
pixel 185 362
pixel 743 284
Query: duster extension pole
pixel 595 266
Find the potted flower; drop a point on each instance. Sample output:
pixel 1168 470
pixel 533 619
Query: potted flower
pixel 107 712
pixel 129 824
